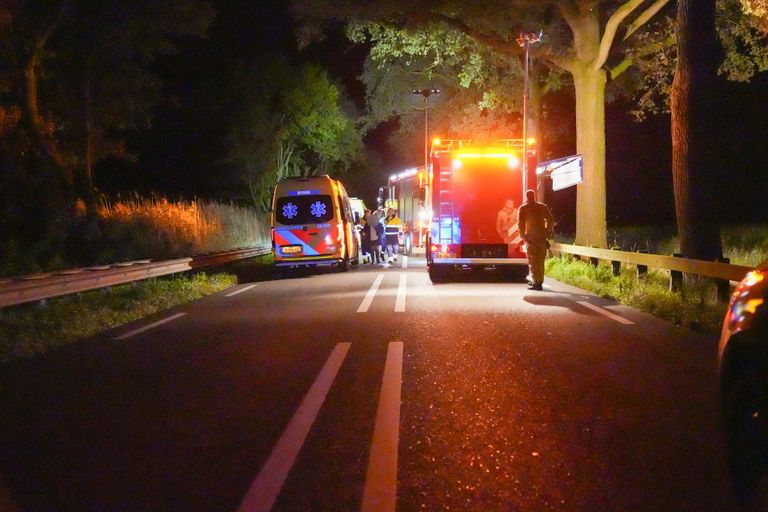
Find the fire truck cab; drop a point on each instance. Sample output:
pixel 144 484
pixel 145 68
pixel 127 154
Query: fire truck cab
pixel 469 184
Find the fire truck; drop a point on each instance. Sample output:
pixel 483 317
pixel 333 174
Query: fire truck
pixel 468 184
pixel 406 193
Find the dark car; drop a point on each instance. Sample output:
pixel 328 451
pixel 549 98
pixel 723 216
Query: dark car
pixel 743 354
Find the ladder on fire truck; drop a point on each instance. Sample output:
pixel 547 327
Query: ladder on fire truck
pixel 447 229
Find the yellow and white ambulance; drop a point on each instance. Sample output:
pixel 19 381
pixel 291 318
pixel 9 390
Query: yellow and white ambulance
pixel 313 224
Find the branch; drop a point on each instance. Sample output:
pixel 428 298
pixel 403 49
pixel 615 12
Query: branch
pixel 610 31
pixel 627 62
pixel 497 43
pixel 641 20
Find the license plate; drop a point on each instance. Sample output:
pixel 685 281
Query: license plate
pixel 290 248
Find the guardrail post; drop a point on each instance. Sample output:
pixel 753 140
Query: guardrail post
pixel 615 265
pixel 723 285
pixel 642 270
pixel 676 277
pixel 594 261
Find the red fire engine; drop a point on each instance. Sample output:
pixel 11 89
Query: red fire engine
pixel 468 186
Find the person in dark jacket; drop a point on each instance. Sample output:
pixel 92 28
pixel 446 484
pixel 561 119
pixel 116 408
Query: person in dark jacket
pixel 536 225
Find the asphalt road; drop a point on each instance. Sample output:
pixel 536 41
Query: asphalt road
pixel 371 390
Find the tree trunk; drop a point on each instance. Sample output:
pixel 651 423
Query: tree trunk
pixel 37 123
pixel 589 85
pixel 693 97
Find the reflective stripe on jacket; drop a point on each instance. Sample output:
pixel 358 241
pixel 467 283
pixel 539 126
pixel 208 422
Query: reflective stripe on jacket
pixel 393 226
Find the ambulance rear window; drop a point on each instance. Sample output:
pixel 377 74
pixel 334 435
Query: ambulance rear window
pixel 312 209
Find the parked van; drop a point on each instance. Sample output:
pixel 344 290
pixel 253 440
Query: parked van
pixel 312 223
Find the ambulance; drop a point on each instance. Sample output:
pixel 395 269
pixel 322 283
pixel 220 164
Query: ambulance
pixel 313 224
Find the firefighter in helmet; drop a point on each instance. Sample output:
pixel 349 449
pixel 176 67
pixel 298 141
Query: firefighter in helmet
pixel 536 225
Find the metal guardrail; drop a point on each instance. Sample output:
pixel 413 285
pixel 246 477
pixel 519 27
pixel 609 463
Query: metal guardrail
pixel 37 287
pixel 717 270
pixel 722 272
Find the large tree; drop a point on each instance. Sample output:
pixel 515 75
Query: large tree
pixel 289 123
pixel 580 35
pixel 694 136
pixel 84 75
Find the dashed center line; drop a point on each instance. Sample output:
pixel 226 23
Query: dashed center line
pixel 148 327
pixel 265 489
pixel 605 312
pixel 405 261
pixel 380 492
pixel 401 291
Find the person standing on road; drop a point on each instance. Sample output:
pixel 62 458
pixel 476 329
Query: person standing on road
pixel 506 223
pixel 536 225
pixel 373 221
pixel 365 236
pixel 393 227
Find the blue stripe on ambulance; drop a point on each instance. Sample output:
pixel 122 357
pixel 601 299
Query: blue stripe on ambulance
pixel 294 240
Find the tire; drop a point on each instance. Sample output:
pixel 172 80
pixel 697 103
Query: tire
pixel 344 265
pixel 408 249
pixel 438 274
pixel 745 422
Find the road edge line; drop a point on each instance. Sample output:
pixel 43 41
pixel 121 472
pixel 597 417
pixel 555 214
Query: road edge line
pixel 605 312
pixel 148 327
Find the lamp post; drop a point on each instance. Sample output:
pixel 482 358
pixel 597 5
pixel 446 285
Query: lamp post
pixel 426 93
pixel 525 41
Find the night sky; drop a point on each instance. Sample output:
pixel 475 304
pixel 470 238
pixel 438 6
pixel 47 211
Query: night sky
pixel 181 155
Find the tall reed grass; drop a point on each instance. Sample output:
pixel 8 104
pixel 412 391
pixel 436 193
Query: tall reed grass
pixel 153 227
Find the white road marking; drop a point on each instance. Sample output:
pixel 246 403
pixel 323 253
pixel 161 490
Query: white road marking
pixel 265 489
pixel 405 261
pixel 380 492
pixel 148 327
pixel 241 290
pixel 401 291
pixel 612 316
pixel 370 295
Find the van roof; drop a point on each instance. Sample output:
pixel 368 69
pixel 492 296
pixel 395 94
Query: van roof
pixel 304 178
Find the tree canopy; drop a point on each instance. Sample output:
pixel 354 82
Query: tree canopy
pixel 289 124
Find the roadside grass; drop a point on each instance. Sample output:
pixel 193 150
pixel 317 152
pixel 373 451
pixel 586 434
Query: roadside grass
pixel 30 330
pixel 695 309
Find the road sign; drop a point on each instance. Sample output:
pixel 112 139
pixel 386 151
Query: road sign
pixel 565 172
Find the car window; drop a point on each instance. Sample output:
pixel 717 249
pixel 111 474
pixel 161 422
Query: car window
pixel 311 209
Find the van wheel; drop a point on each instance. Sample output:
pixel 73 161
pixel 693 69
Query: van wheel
pixel 344 265
pixel 408 245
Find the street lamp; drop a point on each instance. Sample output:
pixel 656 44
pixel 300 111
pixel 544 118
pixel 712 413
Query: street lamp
pixel 525 41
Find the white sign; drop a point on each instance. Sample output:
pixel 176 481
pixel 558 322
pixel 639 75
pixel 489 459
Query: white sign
pixel 565 172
